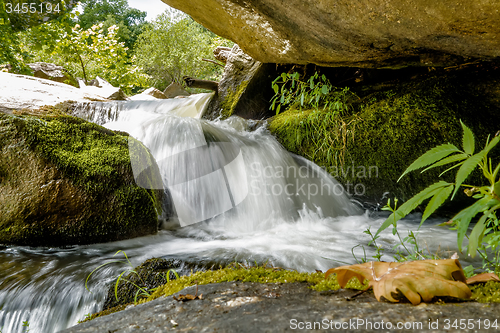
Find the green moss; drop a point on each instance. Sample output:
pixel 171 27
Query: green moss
pixel 316 280
pixel 387 131
pixel 94 197
pixel 230 100
pixel 486 293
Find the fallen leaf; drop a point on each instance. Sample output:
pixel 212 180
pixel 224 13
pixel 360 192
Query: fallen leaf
pixel 418 281
pixel 483 278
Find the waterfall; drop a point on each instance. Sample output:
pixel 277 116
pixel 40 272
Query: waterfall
pixel 233 193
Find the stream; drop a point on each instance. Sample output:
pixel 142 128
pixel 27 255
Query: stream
pixel 233 194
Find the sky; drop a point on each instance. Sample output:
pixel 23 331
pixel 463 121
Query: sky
pixel 152 7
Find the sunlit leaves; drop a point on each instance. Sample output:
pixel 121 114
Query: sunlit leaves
pixel 173 46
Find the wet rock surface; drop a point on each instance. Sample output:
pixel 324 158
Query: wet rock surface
pixel 254 307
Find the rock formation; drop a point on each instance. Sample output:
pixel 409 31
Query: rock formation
pixel 365 33
pixel 65 181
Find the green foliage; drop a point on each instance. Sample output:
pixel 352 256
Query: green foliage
pixel 173 46
pixel 389 129
pixel 26 326
pixel 10 50
pixel 85 53
pixel 487 197
pixel 319 109
pixel 131 21
pixel 290 90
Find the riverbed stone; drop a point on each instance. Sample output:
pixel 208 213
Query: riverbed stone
pixel 65 181
pixel 268 307
pixel 365 33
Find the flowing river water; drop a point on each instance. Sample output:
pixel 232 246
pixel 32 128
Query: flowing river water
pixel 233 194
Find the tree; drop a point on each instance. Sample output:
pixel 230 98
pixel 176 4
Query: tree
pixel 173 46
pixel 85 53
pixel 131 21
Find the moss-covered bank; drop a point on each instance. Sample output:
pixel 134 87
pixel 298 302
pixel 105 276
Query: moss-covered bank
pixel 65 181
pixel 153 269
pixel 389 128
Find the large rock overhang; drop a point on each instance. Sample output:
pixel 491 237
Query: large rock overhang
pixel 363 33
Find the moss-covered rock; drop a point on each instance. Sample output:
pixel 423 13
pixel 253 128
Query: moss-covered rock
pixel 241 90
pixel 369 148
pixel 65 181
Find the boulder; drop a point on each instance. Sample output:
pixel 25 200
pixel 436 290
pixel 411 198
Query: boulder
pixel 149 94
pixel 52 72
pixel 245 87
pixel 388 126
pixel 27 92
pixel 105 89
pixel 364 33
pixel 65 181
pixel 174 90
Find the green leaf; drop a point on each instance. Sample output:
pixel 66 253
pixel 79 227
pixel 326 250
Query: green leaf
pixel 465 170
pixel 324 89
pixel 447 160
pixel 411 204
pixel 464 217
pixel 471 163
pixel 476 236
pixel 437 200
pixel 431 156
pixel 467 140
pixel 302 99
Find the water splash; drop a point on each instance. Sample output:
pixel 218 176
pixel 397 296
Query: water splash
pixel 285 218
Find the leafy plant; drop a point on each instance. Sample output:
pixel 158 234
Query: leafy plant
pixel 411 240
pixel 289 89
pixel 487 197
pixel 320 124
pixel 142 290
pixel 26 324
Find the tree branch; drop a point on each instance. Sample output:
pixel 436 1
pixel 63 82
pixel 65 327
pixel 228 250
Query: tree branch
pixel 214 62
pixel 202 84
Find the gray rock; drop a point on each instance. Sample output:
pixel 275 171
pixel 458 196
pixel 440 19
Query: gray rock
pixel 174 90
pixel 363 33
pixel 52 72
pixel 254 307
pixel 245 88
pixel 19 92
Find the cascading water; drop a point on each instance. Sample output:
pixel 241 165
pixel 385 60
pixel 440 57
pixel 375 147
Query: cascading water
pixel 237 194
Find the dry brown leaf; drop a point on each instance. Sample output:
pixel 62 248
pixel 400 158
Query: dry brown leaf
pixel 483 278
pixel 418 281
